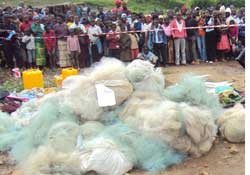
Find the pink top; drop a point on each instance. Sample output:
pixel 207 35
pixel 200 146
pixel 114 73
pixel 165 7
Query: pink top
pixel 73 44
pixel 167 30
pixel 233 32
pixel 178 31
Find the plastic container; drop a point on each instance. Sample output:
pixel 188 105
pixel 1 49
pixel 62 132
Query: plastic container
pixel 66 72
pixel 32 78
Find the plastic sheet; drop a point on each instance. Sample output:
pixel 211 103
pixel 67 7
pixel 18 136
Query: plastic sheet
pixel 192 90
pixel 103 157
pixel 232 124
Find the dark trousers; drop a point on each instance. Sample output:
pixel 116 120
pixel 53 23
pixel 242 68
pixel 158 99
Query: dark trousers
pixel 211 43
pixel 159 50
pixel 191 49
pixel 9 56
pixel 10 53
pixel 114 53
pixel 74 55
pixel 95 55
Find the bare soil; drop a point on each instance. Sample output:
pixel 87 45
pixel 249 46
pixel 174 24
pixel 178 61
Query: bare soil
pixel 223 159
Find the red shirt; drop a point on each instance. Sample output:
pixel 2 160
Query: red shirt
pixel 49 40
pixel 176 33
pixel 113 39
pixel 25 26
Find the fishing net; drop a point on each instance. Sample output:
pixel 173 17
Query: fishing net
pixel 7 124
pixel 47 161
pixel 185 128
pixel 107 69
pixel 91 129
pixel 144 76
pixel 144 152
pixel 192 90
pixel 232 124
pixel 82 98
pixel 22 143
pixel 68 133
pixel 81 91
pixel 63 136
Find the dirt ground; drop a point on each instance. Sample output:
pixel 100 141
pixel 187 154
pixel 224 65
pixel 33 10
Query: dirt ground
pixel 224 158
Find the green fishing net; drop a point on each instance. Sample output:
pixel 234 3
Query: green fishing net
pixel 192 90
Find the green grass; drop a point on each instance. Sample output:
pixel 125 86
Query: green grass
pixel 146 6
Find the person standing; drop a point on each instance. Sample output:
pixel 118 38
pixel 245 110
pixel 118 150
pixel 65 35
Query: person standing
pixel 29 40
pixel 179 34
pixel 9 44
pixel 192 56
pixel 95 48
pixel 77 25
pixel 125 43
pixel 210 36
pixel 233 35
pixel 25 25
pixel 114 45
pixel 37 28
pixel 61 31
pixel 201 43
pixel 134 45
pixel 74 49
pixel 157 41
pixel 49 39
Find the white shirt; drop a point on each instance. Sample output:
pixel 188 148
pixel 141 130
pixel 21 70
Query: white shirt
pixel 31 44
pixel 147 26
pixel 94 30
pixel 210 23
pixel 229 19
pixel 179 25
pixel 75 26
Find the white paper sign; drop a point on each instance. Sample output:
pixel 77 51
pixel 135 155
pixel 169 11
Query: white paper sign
pixel 105 96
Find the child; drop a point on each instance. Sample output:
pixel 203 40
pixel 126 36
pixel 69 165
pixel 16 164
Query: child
pixel 134 45
pixel 114 45
pixel 125 43
pixel 29 40
pixel 73 47
pixel 49 39
pixel 223 45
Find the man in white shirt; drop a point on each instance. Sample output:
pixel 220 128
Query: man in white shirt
pixel 94 32
pixel 77 25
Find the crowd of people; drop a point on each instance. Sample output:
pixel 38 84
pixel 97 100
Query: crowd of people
pixel 79 35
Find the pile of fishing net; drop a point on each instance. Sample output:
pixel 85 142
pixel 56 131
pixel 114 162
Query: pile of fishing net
pixel 149 127
pixel 191 89
pixel 188 129
pixel 22 141
pixel 232 124
pixel 145 77
pixel 80 91
pixel 112 150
